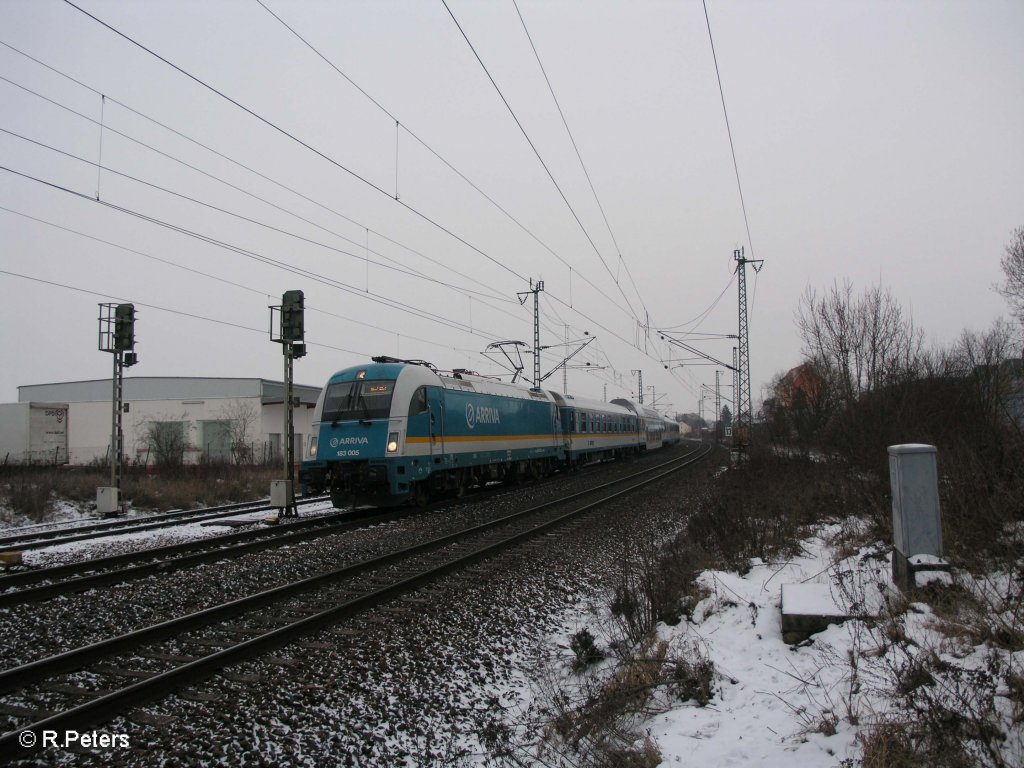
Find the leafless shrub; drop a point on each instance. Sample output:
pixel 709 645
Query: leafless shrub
pixel 584 648
pixel 166 440
pixel 240 418
pixel 656 583
pixel 595 719
pixel 1013 270
pixel 27 493
pixel 765 509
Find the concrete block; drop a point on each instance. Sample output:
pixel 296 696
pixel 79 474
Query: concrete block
pixel 10 559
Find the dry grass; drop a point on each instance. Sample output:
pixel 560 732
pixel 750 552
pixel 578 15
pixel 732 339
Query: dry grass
pixel 31 492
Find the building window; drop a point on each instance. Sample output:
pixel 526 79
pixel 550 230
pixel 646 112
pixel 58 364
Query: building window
pixel 215 439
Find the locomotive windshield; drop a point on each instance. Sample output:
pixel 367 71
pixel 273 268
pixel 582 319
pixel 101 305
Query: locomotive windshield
pixel 350 400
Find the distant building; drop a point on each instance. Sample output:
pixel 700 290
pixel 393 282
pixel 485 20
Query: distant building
pixel 202 418
pixel 799 386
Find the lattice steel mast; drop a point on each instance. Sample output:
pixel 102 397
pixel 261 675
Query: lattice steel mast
pixel 535 289
pixel 744 417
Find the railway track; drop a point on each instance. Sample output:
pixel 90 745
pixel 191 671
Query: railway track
pixel 174 654
pixel 54 537
pixel 44 583
pixel 39 584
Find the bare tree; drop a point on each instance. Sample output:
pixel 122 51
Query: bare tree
pixel 166 440
pixel 985 361
pixel 240 417
pixel 857 344
pixel 798 407
pixel 1013 269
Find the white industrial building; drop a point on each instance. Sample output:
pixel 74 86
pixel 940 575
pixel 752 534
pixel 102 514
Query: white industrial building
pixel 199 419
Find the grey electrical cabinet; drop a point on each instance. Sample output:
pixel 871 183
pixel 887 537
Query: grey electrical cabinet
pixel 916 522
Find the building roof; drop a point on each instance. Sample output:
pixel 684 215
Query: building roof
pixel 165 388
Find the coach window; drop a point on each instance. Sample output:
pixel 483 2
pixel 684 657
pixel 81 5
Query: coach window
pixel 418 404
pixel 583 421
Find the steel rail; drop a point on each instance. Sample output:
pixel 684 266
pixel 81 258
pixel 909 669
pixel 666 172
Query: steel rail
pixel 183 555
pixel 167 558
pixel 68 660
pixel 119 527
pixel 160 684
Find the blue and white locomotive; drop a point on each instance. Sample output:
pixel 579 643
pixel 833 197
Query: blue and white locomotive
pixel 396 430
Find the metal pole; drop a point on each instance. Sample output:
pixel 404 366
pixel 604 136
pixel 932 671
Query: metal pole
pixel 735 390
pixel 115 425
pixel 289 426
pixel 565 368
pixel 743 418
pixel 536 332
pixel 718 405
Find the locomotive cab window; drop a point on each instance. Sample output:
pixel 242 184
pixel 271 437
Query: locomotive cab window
pixel 337 400
pixel 418 403
pixel 352 400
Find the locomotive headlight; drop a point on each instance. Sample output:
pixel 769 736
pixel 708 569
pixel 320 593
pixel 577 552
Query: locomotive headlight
pixel 312 447
pixel 393 442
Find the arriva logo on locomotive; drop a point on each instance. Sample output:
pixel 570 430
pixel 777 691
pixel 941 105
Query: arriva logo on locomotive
pixel 336 441
pixel 481 414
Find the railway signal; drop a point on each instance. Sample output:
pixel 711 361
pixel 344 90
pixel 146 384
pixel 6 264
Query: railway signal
pixel 293 317
pixel 290 335
pixel 124 327
pixel 117 336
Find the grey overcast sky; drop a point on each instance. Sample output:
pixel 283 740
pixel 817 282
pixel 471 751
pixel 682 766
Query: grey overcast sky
pixel 876 141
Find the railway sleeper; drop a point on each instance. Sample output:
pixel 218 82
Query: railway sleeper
pixel 76 690
pixel 16 710
pixel 151 718
pixel 208 696
pixel 242 677
pixel 138 674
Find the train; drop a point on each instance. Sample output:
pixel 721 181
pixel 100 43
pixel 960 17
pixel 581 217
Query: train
pixel 394 431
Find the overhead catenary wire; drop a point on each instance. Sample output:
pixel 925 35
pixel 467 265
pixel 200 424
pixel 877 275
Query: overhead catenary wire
pixel 234 186
pixel 151 185
pixel 409 131
pixel 401 306
pixel 318 153
pixel 170 310
pixel 579 156
pixel 459 289
pixel 728 128
pixel 316 277
pixel 541 160
pixel 299 141
pixel 412 134
pixel 595 324
pixel 700 318
pixel 233 283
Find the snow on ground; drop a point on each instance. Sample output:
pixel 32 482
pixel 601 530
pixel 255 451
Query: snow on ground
pixel 156 537
pixel 769 693
pixel 776 704
pixel 63 513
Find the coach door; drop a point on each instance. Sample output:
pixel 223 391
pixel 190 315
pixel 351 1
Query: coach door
pixel 435 410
